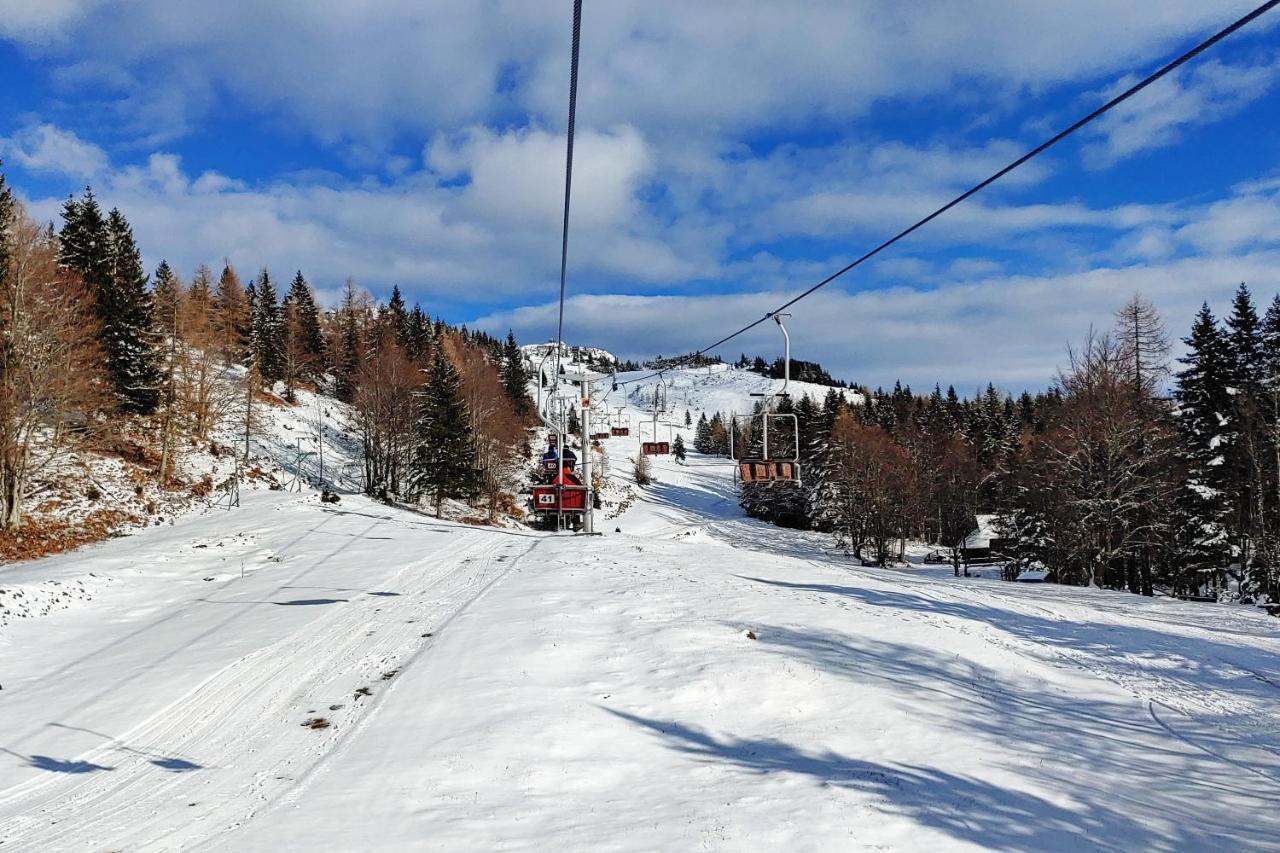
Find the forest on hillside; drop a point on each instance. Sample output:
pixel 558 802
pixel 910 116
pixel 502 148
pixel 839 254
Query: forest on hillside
pixel 97 355
pixel 1106 478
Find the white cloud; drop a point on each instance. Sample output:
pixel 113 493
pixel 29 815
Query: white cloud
pixel 41 21
pixel 1156 118
pixel 520 175
pixel 48 149
pixel 494 235
pixel 1012 330
pixel 363 70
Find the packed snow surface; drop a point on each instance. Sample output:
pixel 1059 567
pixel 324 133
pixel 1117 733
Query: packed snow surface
pixel 291 675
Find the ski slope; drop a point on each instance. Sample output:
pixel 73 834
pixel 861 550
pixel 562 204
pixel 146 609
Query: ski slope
pixel 691 680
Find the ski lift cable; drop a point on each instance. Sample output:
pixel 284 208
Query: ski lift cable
pixel 1164 70
pixel 568 172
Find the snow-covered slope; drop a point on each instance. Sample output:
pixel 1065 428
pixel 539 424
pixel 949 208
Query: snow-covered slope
pixel 716 388
pixel 690 680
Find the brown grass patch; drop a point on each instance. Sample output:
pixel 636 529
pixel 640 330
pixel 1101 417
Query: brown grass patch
pixel 40 537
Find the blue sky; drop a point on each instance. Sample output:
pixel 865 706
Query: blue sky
pixel 729 154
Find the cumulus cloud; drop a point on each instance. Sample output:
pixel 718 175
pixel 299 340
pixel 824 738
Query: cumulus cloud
pixel 1191 96
pixel 365 70
pixel 1011 330
pixel 481 224
pixel 48 149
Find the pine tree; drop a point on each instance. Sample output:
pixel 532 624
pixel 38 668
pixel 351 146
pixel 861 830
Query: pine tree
pixel 677 449
pixel 268 331
pixel 443 463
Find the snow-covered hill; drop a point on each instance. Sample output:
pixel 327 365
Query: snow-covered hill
pixel 290 675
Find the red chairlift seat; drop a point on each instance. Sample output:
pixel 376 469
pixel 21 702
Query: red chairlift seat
pixel 655 448
pixel 601 436
pixel 620 431
pixel 563 494
pixel 766 470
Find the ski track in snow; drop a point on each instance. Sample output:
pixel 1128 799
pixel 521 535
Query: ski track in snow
pixel 235 742
pixel 603 694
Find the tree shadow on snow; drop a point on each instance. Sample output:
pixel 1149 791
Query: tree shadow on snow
pixel 1193 661
pixel 1189 782
pixel 964 807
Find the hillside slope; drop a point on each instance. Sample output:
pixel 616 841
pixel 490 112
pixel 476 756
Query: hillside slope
pixel 698 680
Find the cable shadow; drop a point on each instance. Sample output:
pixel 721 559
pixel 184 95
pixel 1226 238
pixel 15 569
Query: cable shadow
pixel 162 760
pixel 297 602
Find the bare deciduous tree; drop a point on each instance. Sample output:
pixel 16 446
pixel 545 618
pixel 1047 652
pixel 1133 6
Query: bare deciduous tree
pixel 50 379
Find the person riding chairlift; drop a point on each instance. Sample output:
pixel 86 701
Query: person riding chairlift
pixel 552 456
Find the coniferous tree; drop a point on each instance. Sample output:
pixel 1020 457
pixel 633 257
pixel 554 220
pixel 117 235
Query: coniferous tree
pixel 126 314
pixel 515 376
pixel 419 348
pixel 702 435
pixel 310 338
pixel 1243 456
pixel 1206 423
pixel 167 291
pixel 443 462
pixel 677 449
pixel 350 347
pixel 233 317
pixel 102 251
pixel 398 317
pixel 268 331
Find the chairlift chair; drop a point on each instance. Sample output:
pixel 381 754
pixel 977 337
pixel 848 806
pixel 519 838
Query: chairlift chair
pixel 767 468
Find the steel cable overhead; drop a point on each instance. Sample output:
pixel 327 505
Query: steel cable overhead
pixel 979 187
pixel 568 172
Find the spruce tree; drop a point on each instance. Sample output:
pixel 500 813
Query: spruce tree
pixel 268 331
pixel 443 463
pixel 515 376
pixel 419 348
pixel 105 254
pixel 1246 348
pixel 1205 420
pixel 398 316
pixel 303 306
pixel 1244 338
pixel 677 448
pixel 82 243
pixel 702 435
pixel 166 294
